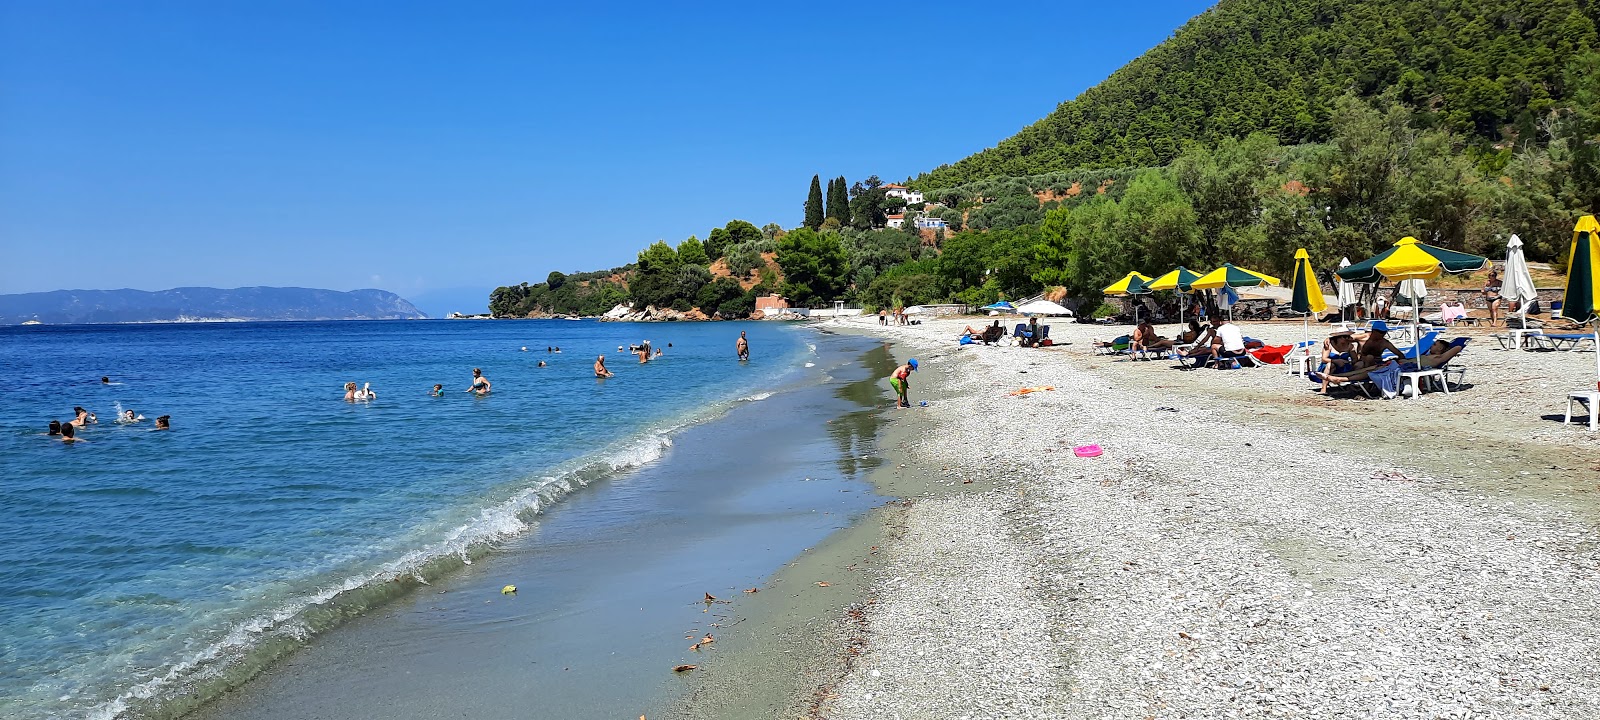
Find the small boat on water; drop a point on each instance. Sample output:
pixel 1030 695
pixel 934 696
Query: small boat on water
pixel 33 322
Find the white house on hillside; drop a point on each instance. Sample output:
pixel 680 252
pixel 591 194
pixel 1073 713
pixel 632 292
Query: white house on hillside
pixel 902 192
pixel 896 221
pixel 931 223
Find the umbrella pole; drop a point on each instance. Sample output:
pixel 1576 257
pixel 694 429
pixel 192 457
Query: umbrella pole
pixel 1597 353
pixel 1416 340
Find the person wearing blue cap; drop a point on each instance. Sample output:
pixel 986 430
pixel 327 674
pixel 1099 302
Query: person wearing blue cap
pixel 900 380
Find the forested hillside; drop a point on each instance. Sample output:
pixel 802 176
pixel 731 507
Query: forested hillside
pixel 1261 127
pixel 1484 70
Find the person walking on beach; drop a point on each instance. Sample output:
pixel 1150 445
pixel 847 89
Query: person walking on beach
pixel 480 384
pixel 900 380
pixel 1491 293
pixel 742 346
pixel 600 370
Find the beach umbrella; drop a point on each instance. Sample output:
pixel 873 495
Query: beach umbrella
pixel 1001 306
pixel 1305 292
pixel 1347 291
pixel 1229 276
pixel 1131 284
pixel 1043 307
pixel 1582 296
pixel 1412 260
pixel 1179 280
pixel 1518 283
pixel 1414 290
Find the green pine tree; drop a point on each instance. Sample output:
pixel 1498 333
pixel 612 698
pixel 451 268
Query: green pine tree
pixel 814 204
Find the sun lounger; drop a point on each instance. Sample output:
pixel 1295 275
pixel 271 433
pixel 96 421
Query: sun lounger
pixel 1563 341
pixel 1591 400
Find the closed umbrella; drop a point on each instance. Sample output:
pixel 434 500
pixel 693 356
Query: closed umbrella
pixel 1347 291
pixel 1131 284
pixel 1582 296
pixel 1232 277
pixel 1412 260
pixel 1518 283
pixel 1414 290
pixel 1305 292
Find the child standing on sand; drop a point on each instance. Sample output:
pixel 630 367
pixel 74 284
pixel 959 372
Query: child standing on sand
pixel 900 380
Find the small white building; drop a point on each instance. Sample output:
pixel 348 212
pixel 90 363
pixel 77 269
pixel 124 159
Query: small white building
pixel 931 223
pixel 896 221
pixel 902 192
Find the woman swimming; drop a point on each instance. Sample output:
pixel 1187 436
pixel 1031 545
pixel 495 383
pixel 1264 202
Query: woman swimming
pixel 350 392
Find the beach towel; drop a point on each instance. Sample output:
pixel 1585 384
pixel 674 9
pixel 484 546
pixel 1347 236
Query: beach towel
pixel 1387 378
pixel 1272 354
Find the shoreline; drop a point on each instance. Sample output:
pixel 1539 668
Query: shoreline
pixel 1256 549
pixel 314 679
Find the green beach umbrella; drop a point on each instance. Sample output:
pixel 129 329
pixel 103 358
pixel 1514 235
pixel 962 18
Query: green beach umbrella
pixel 1179 280
pixel 1233 277
pixel 1411 263
pixel 1131 284
pixel 1411 259
pixel 1582 296
pixel 1305 292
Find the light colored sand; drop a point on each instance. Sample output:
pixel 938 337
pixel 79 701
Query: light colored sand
pixel 1258 551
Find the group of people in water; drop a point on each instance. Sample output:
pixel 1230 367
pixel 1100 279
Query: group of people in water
pixel 81 419
pixel 481 385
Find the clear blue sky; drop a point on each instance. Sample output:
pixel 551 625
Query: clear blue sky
pixel 436 149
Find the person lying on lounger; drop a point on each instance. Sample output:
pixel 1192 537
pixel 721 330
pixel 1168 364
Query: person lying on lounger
pixel 1193 333
pixel 1145 338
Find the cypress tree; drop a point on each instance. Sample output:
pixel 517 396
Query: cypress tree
pixel 814 204
pixel 832 207
pixel 842 201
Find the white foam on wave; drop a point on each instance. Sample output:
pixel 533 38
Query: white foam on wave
pixel 499 522
pixel 758 397
pixel 810 364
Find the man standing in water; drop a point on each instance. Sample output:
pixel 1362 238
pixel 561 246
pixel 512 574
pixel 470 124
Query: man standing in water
pixel 600 370
pixel 743 346
pixel 900 380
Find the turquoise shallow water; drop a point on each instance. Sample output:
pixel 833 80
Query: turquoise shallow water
pixel 140 563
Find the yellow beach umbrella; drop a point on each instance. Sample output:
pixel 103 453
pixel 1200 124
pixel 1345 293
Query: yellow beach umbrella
pixel 1232 277
pixel 1131 284
pixel 1580 302
pixel 1305 292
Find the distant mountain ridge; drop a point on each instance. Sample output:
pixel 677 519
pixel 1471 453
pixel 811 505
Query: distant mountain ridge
pixel 200 304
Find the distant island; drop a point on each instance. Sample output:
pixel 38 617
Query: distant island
pixel 202 304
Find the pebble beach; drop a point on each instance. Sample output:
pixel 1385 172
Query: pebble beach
pixel 1243 547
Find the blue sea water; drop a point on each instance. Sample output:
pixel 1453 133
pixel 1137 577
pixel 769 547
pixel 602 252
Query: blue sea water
pixel 138 563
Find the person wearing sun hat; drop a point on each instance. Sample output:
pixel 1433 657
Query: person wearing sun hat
pixel 900 380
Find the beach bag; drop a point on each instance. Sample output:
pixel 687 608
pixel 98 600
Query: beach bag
pixel 966 339
pixel 1047 342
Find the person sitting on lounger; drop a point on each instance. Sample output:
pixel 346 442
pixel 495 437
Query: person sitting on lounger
pixel 1377 343
pixel 1205 344
pixel 1229 343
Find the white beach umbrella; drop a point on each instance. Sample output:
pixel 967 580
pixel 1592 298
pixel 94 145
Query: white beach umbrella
pixel 1347 291
pixel 915 310
pixel 1416 290
pixel 1517 286
pixel 1043 307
